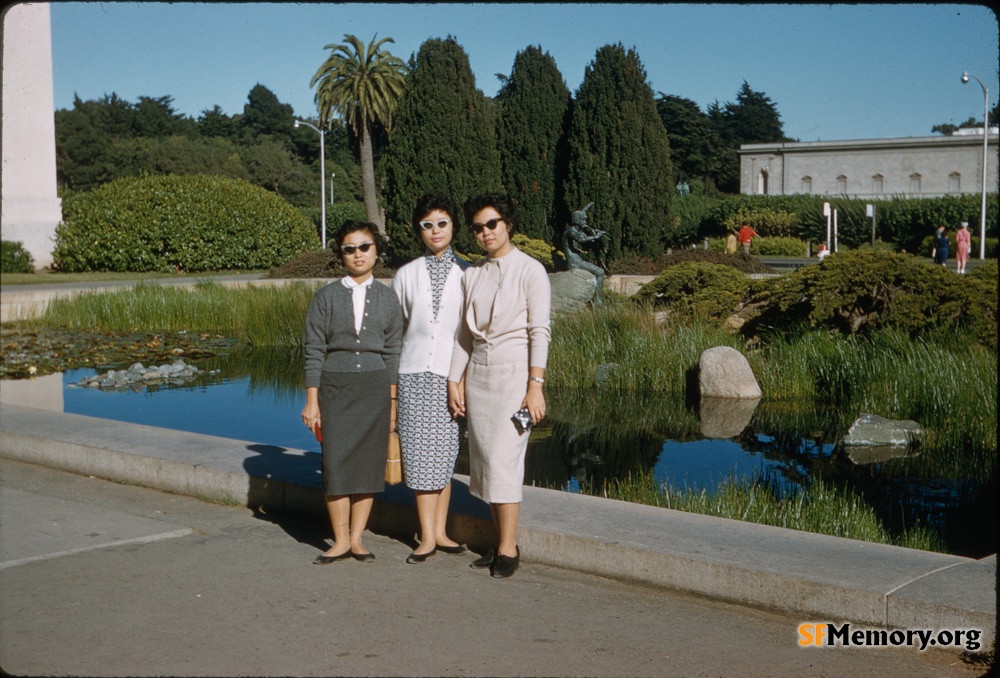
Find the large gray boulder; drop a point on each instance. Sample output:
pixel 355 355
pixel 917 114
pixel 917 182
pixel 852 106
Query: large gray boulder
pixel 723 372
pixel 572 290
pixel 873 430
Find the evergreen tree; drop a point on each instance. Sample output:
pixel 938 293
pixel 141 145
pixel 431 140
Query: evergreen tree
pixel 265 115
pixel 533 109
pixel 444 140
pixel 620 155
pixel 752 119
pixel 694 146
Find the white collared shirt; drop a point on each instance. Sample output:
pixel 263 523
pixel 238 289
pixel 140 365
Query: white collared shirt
pixel 358 293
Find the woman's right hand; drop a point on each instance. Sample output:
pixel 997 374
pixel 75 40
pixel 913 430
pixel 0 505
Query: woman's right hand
pixel 456 398
pixel 310 413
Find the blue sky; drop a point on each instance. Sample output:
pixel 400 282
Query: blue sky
pixel 834 71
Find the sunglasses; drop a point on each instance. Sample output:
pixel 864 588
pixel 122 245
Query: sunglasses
pixel 351 249
pixel 491 224
pixel 442 224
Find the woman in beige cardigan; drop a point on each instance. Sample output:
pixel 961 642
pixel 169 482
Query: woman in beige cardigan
pixel 498 368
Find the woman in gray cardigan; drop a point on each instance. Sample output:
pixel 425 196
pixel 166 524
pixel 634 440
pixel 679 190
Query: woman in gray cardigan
pixel 353 334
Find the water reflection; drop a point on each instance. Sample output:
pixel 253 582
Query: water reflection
pixel 595 436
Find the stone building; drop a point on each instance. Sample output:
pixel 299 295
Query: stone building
pixel 924 167
pixel 30 206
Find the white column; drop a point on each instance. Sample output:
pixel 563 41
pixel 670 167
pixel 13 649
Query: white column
pixel 30 209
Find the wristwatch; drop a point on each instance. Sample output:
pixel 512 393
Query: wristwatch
pixel 538 379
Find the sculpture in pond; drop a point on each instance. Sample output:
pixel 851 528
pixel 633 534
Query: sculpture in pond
pixel 575 239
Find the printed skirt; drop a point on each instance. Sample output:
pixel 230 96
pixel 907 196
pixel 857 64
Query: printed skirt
pixel 355 410
pixel 428 436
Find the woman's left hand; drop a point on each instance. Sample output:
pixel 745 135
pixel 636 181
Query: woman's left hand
pixel 534 400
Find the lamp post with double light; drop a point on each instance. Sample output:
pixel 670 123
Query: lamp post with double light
pixel 322 180
pixel 986 136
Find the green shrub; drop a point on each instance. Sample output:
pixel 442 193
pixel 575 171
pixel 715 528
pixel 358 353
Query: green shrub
pixel 180 223
pixel 856 291
pixel 15 259
pixel 696 290
pixel 779 247
pixel 534 248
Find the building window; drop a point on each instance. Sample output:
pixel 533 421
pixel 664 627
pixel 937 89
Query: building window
pixel 877 184
pixel 955 182
pixel 807 185
pixel 914 183
pixel 842 185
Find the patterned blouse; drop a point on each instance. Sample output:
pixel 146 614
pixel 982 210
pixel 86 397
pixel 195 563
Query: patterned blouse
pixel 438 268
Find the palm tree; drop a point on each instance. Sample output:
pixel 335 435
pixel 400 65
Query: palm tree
pixel 361 85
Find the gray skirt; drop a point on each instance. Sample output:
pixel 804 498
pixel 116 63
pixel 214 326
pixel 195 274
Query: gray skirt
pixel 355 410
pixel 493 393
pixel 428 436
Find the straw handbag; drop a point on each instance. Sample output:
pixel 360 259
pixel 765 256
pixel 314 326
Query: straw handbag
pixel 393 462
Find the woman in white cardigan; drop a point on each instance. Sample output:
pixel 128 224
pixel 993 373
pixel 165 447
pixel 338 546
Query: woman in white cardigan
pixel 430 292
pixel 498 368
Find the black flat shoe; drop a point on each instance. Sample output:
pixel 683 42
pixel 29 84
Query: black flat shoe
pixel 453 550
pixel 505 566
pixel 363 557
pixel 486 560
pixel 326 560
pixel 415 558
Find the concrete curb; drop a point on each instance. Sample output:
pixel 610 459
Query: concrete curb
pixel 815 577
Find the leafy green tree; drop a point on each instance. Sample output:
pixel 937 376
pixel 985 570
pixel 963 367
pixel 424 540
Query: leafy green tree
pixel 620 155
pixel 533 109
pixel 265 115
pixel 362 85
pixel 445 140
pixel 81 146
pixel 215 123
pixel 156 117
pixel 695 147
pixel 752 119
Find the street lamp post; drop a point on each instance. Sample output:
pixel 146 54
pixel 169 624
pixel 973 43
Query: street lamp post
pixel 986 136
pixel 322 180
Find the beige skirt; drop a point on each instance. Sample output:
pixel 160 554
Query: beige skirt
pixel 493 393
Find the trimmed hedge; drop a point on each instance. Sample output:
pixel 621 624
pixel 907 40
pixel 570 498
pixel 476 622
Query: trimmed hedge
pixel 14 258
pixel 180 223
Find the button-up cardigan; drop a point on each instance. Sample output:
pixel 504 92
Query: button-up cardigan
pixel 428 341
pixel 518 326
pixel 332 345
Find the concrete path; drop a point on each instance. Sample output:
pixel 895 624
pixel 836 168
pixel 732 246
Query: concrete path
pixel 653 555
pixel 106 579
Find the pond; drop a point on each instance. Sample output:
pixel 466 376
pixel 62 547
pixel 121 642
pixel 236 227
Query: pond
pixel 593 437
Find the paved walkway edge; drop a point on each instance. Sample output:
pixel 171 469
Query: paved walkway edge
pixel 815 577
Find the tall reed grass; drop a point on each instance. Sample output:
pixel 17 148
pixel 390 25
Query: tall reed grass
pixel 819 508
pixel 260 315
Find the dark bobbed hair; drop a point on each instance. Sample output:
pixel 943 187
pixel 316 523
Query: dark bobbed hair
pixel 354 226
pixel 436 201
pixel 504 206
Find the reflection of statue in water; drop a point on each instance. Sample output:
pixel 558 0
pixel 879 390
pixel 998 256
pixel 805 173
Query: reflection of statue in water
pixel 576 236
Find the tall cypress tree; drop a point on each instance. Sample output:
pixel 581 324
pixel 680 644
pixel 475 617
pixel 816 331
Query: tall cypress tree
pixel 444 139
pixel 619 154
pixel 533 109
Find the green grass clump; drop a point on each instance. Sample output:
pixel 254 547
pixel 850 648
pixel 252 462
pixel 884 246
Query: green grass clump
pixel 820 508
pixel 260 315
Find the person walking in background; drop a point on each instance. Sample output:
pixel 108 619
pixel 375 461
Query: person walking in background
pixel 430 294
pixel 746 234
pixel 731 242
pixel 353 333
pixel 963 243
pixel 498 368
pixel 941 247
